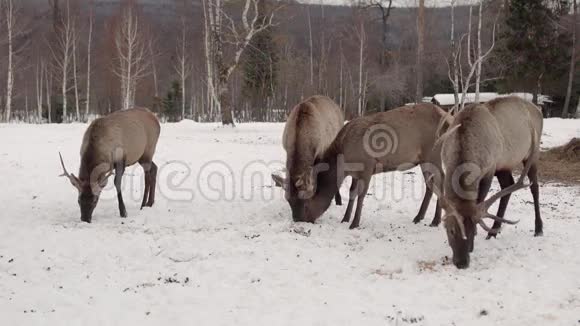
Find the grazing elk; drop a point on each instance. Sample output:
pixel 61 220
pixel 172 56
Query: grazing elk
pixel 309 131
pixel 398 139
pixel 110 143
pixel 484 141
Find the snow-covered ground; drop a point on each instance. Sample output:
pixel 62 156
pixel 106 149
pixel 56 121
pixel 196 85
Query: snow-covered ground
pixel 219 246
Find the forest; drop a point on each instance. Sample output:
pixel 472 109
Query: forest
pixel 253 60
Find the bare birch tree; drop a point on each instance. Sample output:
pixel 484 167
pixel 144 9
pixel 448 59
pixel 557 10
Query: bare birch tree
pixel 75 75
pixel 63 55
pixel 311 46
pixel 183 66
pixel 39 89
pixel 153 60
pixel 453 69
pixel 361 35
pixel 225 31
pixel 420 50
pixel 89 56
pixel 131 47
pixel 460 80
pixel 208 25
pixel 13 30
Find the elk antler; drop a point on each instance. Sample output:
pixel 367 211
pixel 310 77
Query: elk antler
pixel 446 205
pixel 446 135
pixel 72 178
pixel 485 205
pixel 65 173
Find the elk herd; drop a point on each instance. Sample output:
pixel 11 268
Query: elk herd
pixel 459 154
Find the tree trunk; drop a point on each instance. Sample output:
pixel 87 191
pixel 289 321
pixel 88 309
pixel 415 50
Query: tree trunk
pixel 154 70
pixel 360 70
pixel 224 101
pixel 49 85
pixel 311 49
pixel 10 78
pixel 89 44
pixel 478 69
pixel 75 79
pixel 455 57
pixel 420 50
pixel 39 90
pixel 565 110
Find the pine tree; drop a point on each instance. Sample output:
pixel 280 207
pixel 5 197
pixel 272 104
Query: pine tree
pixel 535 46
pixel 172 103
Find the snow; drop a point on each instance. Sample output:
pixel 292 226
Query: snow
pixel 208 257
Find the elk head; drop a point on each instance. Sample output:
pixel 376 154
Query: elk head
pixel 300 191
pixel 461 220
pixel 89 191
pixel 460 223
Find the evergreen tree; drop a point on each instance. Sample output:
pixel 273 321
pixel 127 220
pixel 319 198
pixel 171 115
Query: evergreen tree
pixel 172 103
pixel 535 47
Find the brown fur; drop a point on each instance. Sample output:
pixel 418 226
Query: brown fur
pixel 309 131
pixel 492 139
pixel 112 143
pixel 134 131
pixel 412 132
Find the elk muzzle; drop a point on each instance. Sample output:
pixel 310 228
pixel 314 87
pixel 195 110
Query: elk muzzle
pixel 87 204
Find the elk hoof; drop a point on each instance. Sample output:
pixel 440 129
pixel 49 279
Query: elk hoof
pixel 353 226
pixel 345 220
pixel 434 224
pixel 539 234
pixel 418 219
pixel 491 235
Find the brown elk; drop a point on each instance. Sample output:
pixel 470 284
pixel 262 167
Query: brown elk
pixel 398 139
pixel 309 131
pixel 484 141
pixel 112 143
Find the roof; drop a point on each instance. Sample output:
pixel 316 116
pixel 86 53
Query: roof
pixel 449 99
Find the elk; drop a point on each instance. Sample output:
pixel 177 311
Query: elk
pixel 398 139
pixel 112 143
pixel 484 141
pixel 309 131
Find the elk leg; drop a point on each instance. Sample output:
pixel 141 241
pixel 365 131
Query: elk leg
pixel 359 204
pixel 351 196
pixel 338 198
pixel 427 173
pixel 484 186
pixel 437 218
pixel 535 188
pixel 152 184
pixel 119 171
pixel 424 205
pixel 146 168
pixel 505 179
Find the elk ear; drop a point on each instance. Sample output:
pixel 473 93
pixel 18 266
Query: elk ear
pixel 103 182
pixel 305 183
pixel 279 181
